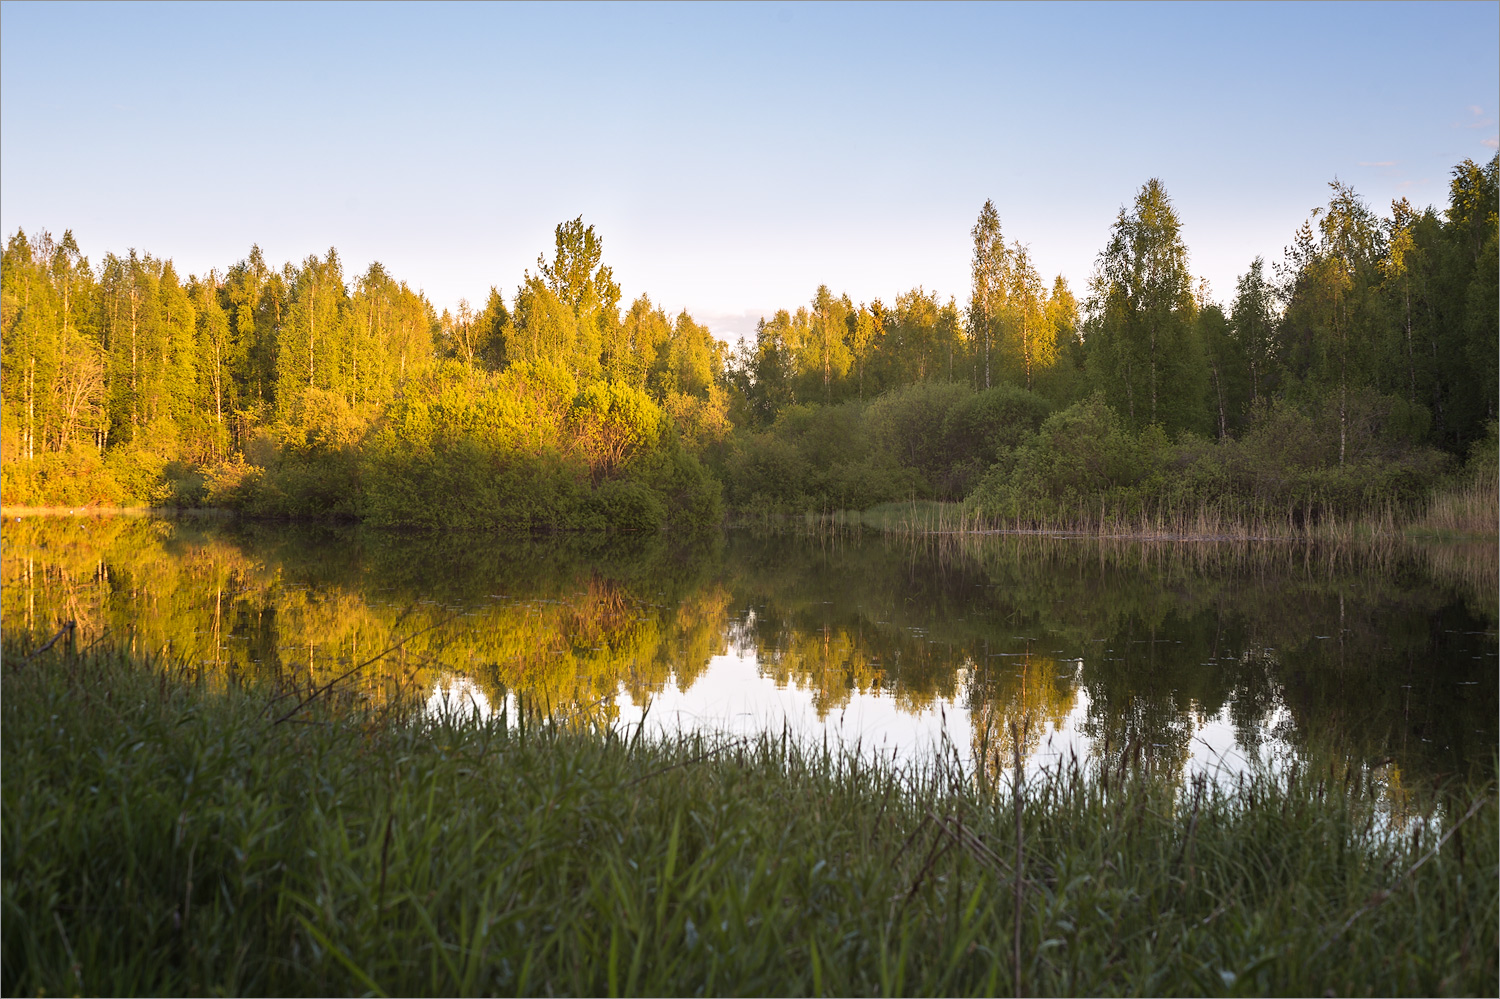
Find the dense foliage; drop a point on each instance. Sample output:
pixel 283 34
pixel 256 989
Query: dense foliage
pixel 1335 382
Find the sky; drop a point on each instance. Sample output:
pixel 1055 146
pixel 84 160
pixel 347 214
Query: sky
pixel 731 157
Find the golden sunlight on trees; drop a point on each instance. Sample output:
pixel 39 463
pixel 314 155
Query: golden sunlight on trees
pixel 612 424
pixel 299 391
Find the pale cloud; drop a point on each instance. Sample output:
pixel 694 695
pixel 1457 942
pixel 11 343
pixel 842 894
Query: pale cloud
pixel 1377 163
pixel 1477 121
pixel 730 326
pixel 1491 143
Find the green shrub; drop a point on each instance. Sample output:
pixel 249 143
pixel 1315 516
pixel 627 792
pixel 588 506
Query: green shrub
pixel 182 486
pixel 1084 464
pixel 948 433
pixel 77 477
pixel 982 428
pixel 136 472
pixel 627 506
pixel 525 451
pixel 692 498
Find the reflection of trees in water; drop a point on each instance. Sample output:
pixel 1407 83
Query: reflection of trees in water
pixel 1021 696
pixel 834 661
pixel 1360 664
pixel 307 607
pixel 1315 648
pixel 1469 567
pixel 1252 675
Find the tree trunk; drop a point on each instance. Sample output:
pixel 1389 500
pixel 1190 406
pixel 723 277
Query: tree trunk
pixel 1219 394
pixel 1025 353
pixel 1343 386
pixel 134 413
pixel 30 408
pixel 1153 372
pixel 987 325
pixel 312 329
pixel 1411 364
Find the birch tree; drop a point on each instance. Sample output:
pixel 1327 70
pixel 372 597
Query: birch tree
pixel 988 273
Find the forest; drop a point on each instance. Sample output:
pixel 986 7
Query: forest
pixel 1352 377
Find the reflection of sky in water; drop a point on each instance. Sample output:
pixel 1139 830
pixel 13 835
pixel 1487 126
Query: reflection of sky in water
pixel 735 698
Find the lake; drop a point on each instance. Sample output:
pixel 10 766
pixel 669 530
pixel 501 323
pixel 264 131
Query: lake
pixel 1378 663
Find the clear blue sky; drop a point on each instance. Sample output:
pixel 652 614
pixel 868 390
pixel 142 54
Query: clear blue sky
pixel 732 157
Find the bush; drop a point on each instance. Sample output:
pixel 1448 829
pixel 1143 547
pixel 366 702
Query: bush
pixel 982 428
pixel 312 486
pixel 949 434
pixel 1084 464
pixel 692 497
pixel 1079 457
pixel 627 506
pixel 182 486
pixel 231 483
pixel 910 425
pixel 931 439
pixel 76 477
pixel 523 451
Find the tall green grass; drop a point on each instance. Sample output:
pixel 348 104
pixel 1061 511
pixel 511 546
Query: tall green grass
pixel 163 835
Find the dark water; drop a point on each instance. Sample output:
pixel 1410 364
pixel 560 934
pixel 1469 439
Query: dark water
pixel 1378 662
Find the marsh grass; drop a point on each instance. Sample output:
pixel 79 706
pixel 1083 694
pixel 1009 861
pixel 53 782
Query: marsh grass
pixel 1470 509
pixel 1187 522
pixel 165 837
pixel 948 532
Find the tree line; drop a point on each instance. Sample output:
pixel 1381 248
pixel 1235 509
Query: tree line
pixel 301 391
pixel 1404 305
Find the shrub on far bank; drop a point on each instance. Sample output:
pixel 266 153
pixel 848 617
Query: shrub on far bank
pixel 76 477
pixel 813 457
pixel 525 450
pixel 1084 465
pixel 951 434
pixel 927 440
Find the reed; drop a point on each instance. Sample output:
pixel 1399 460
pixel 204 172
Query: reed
pixel 1470 509
pixel 165 837
pixel 1466 511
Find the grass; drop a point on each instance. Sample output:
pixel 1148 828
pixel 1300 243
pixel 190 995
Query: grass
pixel 163 833
pixel 1468 510
pixel 1206 522
pixel 1465 511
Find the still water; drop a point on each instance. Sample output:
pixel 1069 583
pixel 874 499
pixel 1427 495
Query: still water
pixel 1218 657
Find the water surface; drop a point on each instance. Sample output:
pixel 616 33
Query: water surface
pixel 1378 664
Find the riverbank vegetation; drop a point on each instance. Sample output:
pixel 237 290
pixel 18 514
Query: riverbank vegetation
pixel 172 836
pixel 1354 379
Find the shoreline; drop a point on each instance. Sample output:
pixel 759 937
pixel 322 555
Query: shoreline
pixel 169 512
pixel 1414 532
